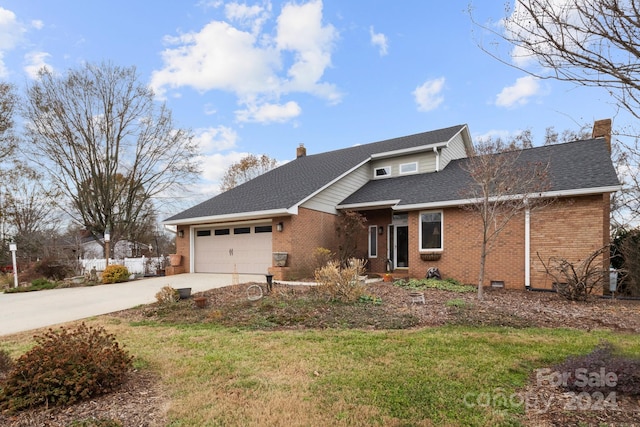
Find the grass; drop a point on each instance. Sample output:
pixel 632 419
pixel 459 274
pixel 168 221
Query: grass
pixel 451 285
pixel 227 376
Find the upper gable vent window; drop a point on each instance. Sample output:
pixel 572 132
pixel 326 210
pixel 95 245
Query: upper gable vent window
pixel 383 172
pixel 406 168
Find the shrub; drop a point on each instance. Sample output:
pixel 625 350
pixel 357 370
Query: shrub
pixel 341 284
pixel 115 273
pixel 450 285
pixel 64 367
pixel 167 295
pixel 52 269
pixel 6 363
pixel 602 359
pixel 321 257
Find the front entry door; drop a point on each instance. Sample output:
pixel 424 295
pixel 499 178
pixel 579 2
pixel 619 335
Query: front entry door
pixel 401 246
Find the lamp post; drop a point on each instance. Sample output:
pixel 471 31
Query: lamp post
pixel 107 240
pixel 13 248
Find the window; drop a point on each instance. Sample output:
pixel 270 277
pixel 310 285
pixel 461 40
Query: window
pixel 406 168
pixel 242 230
pixel 373 241
pixel 430 231
pixel 263 229
pixel 383 172
pixel 221 232
pixel 203 233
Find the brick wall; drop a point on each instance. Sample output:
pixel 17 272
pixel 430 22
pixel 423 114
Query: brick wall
pixel 301 235
pixel 182 247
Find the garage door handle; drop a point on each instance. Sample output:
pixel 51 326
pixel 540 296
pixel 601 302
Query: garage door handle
pixel 230 252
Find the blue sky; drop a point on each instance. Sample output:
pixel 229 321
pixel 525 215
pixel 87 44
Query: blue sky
pixel 264 76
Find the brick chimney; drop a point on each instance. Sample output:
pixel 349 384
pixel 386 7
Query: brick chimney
pixel 602 129
pixel 301 151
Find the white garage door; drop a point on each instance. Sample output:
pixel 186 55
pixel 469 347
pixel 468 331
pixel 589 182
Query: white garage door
pixel 220 249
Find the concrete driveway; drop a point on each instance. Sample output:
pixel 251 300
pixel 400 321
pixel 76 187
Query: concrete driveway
pixel 32 310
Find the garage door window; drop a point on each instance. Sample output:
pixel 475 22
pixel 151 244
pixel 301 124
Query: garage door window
pixel 263 229
pixel 203 233
pixel 221 232
pixel 242 230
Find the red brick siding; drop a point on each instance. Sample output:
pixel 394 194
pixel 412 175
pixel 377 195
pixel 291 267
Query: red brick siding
pixel 182 247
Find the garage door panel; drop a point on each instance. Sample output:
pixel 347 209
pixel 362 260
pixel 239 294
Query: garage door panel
pixel 248 253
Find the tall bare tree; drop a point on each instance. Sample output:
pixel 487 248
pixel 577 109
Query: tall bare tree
pixel 587 42
pixel 8 102
pixel 501 186
pixel 107 144
pixel 245 169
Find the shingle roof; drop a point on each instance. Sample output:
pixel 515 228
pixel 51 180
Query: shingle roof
pixel 291 183
pixel 579 165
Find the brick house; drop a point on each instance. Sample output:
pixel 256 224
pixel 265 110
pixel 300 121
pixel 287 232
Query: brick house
pixel 409 190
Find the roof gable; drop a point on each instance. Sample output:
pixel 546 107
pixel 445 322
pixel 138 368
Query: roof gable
pixel 284 188
pixel 575 167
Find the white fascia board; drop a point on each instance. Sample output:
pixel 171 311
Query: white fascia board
pixel 235 216
pixel 411 150
pixel 376 204
pixel 543 195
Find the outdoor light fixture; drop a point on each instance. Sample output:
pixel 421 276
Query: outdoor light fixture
pixel 380 230
pixel 13 248
pixel 107 239
pixel 279 226
pixel 181 234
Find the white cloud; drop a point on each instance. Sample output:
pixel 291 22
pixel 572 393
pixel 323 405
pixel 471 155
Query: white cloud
pixel 518 94
pixel 219 138
pixel 11 32
pixel 379 40
pixel 215 165
pixel 37 24
pixel 251 64
pixel 267 113
pixel 428 95
pixel 35 61
pixel 520 26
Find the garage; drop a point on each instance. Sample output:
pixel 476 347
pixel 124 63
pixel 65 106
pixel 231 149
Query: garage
pixel 245 248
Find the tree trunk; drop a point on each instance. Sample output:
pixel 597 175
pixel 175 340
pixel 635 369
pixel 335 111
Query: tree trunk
pixel 483 258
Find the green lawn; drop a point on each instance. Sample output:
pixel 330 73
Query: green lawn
pixel 435 376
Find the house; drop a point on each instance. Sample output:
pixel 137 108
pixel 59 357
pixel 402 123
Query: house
pixel 409 189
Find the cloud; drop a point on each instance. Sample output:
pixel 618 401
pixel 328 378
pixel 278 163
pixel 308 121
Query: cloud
pixel 518 94
pixel 216 164
pixel 35 61
pixel 259 65
pixel 267 113
pixel 11 32
pixel 379 40
pixel 428 95
pixel 219 138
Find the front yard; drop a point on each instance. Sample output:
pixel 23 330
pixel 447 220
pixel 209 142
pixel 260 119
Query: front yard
pixel 292 358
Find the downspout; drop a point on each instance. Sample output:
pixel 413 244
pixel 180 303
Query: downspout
pixel 435 150
pixel 527 248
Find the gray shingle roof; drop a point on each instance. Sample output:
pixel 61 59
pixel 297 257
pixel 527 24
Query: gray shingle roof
pixel 579 165
pixel 291 183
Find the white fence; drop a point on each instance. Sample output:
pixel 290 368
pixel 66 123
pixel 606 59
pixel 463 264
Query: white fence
pixel 142 265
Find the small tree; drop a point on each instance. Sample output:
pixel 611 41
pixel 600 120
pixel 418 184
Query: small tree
pixel 350 227
pixel 501 186
pixel 247 168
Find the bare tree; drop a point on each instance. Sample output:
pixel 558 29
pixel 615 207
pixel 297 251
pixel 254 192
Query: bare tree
pixel 107 145
pixel 247 168
pixel 501 186
pixel 8 102
pixel 587 42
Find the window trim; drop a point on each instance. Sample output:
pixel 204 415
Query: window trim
pixel 387 170
pixel 415 164
pixel 373 235
pixel 430 250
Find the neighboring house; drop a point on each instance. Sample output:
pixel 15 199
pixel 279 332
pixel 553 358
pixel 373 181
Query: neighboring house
pixel 409 189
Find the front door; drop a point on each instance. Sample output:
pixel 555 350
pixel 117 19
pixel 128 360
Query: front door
pixel 401 246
